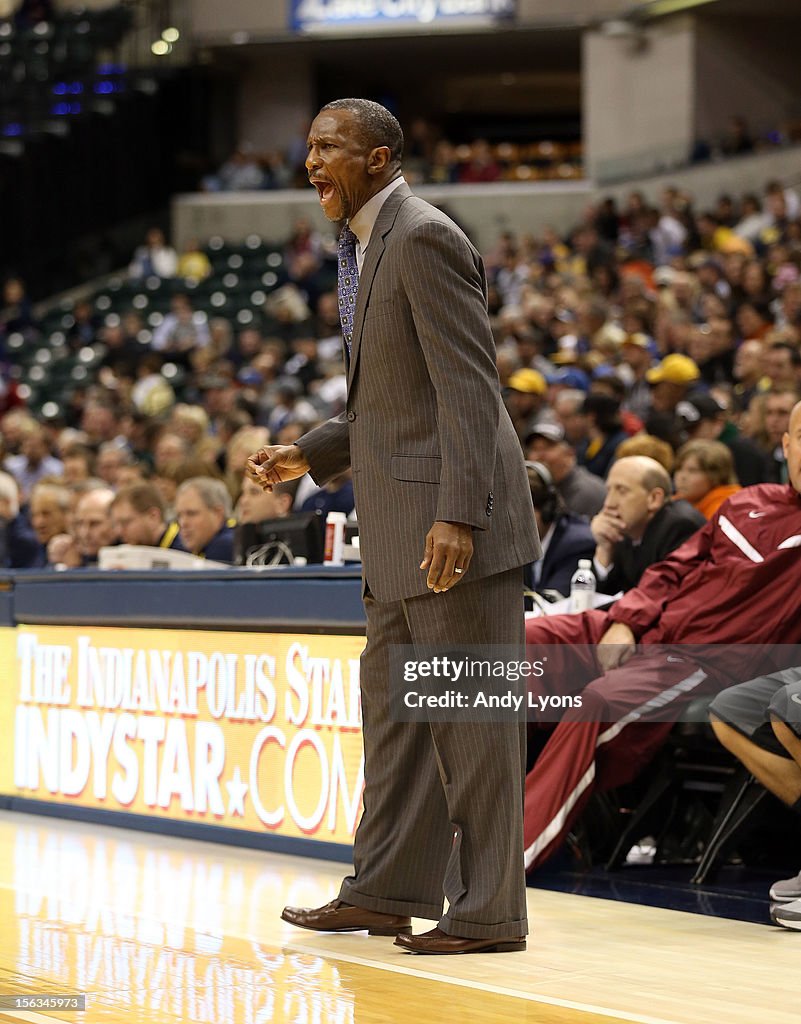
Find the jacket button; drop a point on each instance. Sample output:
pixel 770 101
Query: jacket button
pixel 351 416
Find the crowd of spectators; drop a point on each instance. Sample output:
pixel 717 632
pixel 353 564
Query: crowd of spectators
pixel 433 158
pixel 650 360
pixel 152 447
pixel 650 329
pixel 658 349
pixel 430 159
pixel 661 322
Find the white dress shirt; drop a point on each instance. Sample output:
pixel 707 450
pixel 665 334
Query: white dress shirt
pixel 363 222
pixel 545 542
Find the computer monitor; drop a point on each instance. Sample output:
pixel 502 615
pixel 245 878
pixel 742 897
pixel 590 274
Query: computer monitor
pixel 281 541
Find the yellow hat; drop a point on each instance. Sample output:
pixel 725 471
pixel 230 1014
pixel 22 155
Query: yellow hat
pixel 530 382
pixel 726 241
pixel 564 357
pixel 675 369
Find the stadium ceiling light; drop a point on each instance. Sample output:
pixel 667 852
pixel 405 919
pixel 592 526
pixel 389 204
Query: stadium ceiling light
pixel 170 35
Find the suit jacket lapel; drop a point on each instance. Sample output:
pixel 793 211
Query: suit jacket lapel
pixel 375 250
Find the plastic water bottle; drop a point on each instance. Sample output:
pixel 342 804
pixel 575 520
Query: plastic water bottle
pixel 582 587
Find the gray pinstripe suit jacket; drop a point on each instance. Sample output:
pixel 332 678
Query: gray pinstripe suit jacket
pixel 425 431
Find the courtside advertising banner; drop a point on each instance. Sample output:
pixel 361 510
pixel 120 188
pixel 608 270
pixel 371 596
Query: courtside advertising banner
pixel 258 731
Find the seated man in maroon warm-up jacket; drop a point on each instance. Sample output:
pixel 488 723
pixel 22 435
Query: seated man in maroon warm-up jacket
pixel 730 585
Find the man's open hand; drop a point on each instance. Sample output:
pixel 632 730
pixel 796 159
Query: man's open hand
pixel 276 463
pixel 448 551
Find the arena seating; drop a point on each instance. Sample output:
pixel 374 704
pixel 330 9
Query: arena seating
pixel 242 278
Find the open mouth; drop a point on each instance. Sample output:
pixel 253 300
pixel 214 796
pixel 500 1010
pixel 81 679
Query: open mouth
pixel 325 189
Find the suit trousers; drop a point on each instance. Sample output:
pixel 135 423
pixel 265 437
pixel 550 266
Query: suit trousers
pixel 443 801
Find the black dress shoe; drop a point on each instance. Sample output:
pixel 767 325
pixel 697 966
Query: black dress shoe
pixel 437 942
pixel 337 916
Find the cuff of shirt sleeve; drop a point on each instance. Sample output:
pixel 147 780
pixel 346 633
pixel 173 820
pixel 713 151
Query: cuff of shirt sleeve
pixel 602 571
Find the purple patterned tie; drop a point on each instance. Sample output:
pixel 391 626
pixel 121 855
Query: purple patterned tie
pixel 347 282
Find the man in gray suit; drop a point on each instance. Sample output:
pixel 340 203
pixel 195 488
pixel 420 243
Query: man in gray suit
pixel 445 524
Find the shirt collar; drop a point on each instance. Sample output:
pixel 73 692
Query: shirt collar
pixel 545 540
pixel 363 222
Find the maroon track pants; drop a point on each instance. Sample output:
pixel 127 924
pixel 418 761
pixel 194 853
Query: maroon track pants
pixel 606 742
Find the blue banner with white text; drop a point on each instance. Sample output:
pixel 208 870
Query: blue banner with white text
pixel 370 15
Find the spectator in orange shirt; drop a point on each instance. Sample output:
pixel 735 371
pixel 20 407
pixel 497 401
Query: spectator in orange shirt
pixel 704 475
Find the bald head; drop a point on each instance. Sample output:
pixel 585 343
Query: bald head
pixel 98 499
pixel 93 525
pixel 9 497
pixel 636 489
pixel 651 474
pixel 791 443
pixel 748 361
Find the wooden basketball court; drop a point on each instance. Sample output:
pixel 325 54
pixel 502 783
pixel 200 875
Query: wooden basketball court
pixel 157 930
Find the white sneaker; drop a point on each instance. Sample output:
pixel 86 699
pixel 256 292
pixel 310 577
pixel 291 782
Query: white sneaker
pixel 787 890
pixel 788 915
pixel 643 852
